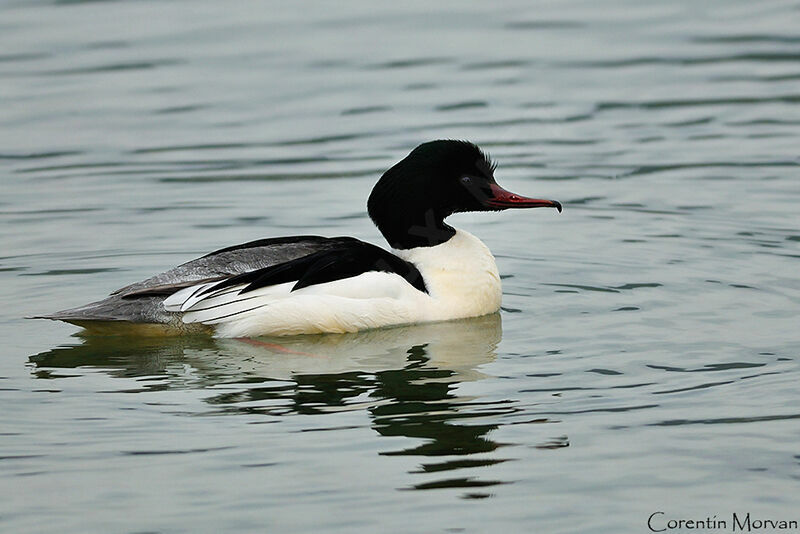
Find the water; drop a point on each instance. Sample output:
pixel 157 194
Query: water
pixel 646 358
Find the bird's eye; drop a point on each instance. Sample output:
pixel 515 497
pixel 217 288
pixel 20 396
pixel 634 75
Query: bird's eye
pixel 466 180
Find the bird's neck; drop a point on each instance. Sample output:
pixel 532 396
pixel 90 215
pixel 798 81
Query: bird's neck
pixel 407 229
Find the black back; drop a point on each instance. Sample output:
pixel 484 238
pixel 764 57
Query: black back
pixel 308 240
pixel 351 258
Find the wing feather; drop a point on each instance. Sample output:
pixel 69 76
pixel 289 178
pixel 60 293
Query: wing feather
pixel 231 261
pixel 156 299
pixel 328 272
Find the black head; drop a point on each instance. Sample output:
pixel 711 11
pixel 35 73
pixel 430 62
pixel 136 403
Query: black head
pixel 411 200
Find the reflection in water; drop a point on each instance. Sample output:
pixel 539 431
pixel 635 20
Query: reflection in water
pixel 405 377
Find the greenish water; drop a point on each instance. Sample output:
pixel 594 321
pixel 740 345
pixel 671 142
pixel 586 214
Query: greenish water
pixel 646 358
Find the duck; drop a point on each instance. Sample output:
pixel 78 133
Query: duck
pixel 309 284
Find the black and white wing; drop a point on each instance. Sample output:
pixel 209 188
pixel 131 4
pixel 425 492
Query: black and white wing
pixel 219 301
pixel 232 261
pixel 142 302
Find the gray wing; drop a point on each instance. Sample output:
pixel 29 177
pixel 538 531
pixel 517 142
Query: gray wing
pixel 142 302
pixel 231 261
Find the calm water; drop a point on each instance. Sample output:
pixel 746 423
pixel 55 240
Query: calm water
pixel 646 358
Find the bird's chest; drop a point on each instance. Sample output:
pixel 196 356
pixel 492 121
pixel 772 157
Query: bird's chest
pixel 464 292
pixel 461 277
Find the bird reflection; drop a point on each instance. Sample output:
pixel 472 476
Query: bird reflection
pixel 406 378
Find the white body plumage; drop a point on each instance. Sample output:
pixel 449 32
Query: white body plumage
pixel 460 275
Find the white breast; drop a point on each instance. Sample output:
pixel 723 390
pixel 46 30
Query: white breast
pixel 461 277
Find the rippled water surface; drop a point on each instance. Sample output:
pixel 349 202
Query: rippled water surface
pixel 646 358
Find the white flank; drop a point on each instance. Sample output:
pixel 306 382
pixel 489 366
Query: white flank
pixel 460 275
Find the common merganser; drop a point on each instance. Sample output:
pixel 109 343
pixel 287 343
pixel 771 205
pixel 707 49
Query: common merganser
pixel 311 284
